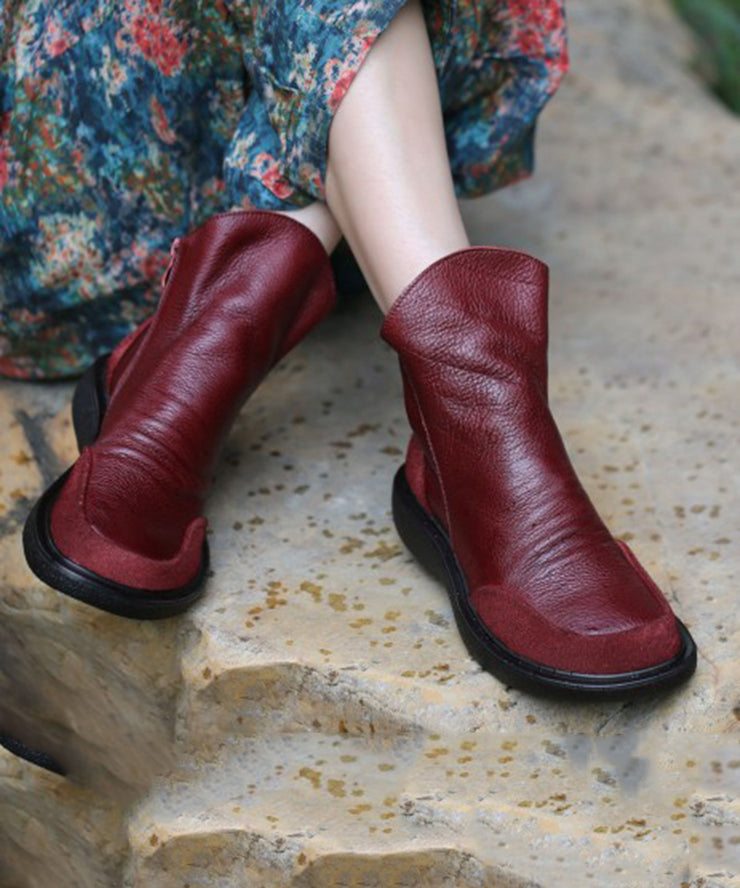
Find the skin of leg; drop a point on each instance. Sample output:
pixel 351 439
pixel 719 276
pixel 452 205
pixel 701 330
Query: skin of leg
pixel 318 218
pixel 388 182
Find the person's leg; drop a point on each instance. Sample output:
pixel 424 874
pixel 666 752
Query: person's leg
pixel 388 181
pixel 546 598
pixel 318 218
pixel 388 184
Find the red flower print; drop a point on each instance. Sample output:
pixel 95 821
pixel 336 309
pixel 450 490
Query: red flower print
pixel 58 46
pixel 157 41
pixel 530 43
pixel 56 40
pixel 160 124
pixel 269 174
pixel 531 23
pixel 340 88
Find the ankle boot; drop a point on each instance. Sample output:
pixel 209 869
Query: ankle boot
pixel 488 500
pixel 123 529
pixel 96 385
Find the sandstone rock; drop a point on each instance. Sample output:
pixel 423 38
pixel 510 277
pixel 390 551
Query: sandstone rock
pixel 315 721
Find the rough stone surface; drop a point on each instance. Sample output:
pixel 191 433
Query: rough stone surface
pixel 315 721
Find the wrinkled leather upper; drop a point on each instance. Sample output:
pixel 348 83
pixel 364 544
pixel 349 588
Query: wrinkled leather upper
pixel 242 290
pixel 487 460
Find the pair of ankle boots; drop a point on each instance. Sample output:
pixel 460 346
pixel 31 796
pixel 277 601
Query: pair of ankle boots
pixel 544 597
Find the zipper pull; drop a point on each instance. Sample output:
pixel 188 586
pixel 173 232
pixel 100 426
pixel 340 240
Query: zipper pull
pixel 174 247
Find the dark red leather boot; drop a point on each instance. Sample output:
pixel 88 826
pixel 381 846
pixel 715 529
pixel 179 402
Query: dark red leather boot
pixel 488 500
pixel 123 529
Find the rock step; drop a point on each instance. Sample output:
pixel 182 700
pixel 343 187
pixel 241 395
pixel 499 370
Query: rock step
pixel 56 833
pixel 294 810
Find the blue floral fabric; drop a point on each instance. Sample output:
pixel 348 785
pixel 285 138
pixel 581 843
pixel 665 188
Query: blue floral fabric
pixel 125 123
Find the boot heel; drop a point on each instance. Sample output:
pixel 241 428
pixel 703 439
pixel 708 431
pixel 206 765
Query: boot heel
pixel 420 535
pixel 88 404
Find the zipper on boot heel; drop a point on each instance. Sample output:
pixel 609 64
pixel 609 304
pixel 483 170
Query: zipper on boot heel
pixel 88 404
pixel 416 530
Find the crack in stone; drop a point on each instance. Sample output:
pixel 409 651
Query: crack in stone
pixel 46 459
pixel 610 718
pixel 48 464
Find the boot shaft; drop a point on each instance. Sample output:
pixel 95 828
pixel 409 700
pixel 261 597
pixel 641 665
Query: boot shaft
pixel 480 309
pixel 241 291
pixel 486 454
pixel 471 335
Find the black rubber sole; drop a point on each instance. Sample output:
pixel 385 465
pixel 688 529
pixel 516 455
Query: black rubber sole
pixel 34 756
pixel 428 542
pixel 60 572
pixel 65 575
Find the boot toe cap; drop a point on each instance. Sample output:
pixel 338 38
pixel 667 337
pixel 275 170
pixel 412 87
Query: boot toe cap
pixel 610 650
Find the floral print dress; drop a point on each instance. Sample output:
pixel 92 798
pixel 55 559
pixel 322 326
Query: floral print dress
pixel 125 123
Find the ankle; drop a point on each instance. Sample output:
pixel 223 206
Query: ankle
pixel 318 219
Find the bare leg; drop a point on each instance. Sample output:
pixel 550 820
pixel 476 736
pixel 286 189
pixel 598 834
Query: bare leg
pixel 388 186
pixel 388 182
pixel 317 217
